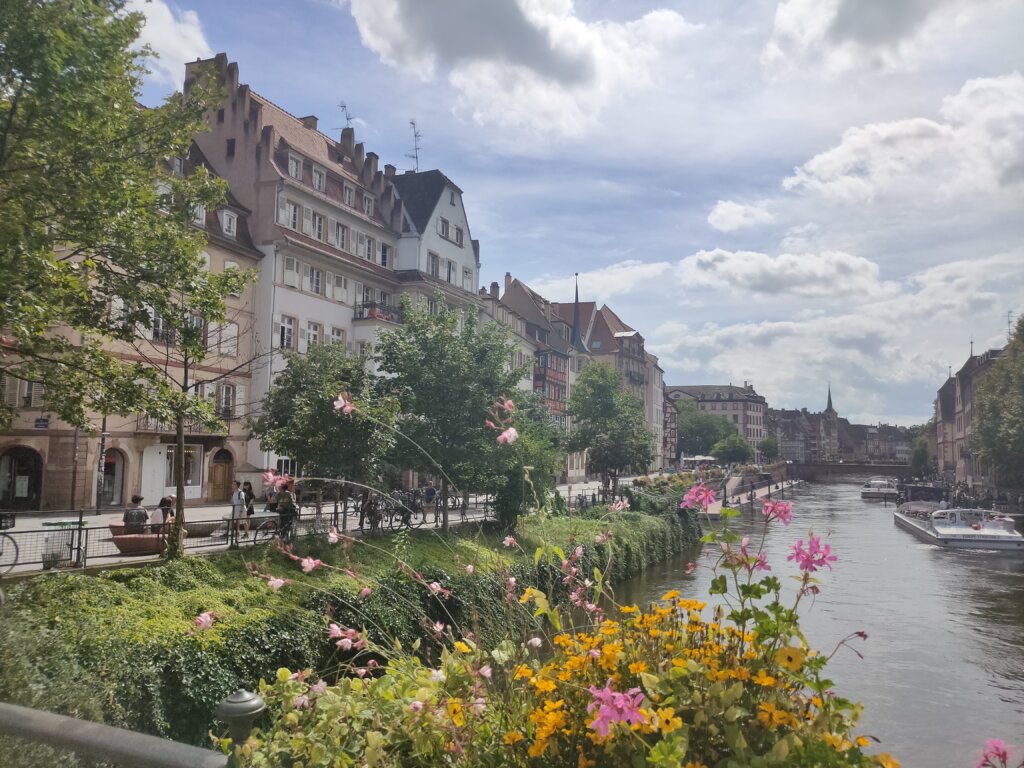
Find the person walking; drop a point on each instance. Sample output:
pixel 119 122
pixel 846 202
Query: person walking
pixel 430 501
pixel 250 506
pixel 286 507
pixel 237 508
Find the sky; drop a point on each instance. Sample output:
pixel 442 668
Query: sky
pixel 793 193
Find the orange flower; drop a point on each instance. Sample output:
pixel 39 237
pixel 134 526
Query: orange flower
pixel 511 737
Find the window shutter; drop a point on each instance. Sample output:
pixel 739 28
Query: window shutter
pixel 213 337
pixel 291 272
pixel 9 387
pixel 228 343
pixel 332 231
pixel 340 288
pixel 282 211
pixel 361 245
pixel 307 220
pixel 305 277
pixel 241 404
pixel 303 345
pixel 329 285
pixel 359 292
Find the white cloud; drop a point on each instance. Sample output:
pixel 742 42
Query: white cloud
pixel 602 284
pixel 810 275
pixel 728 216
pixel 524 64
pixel 175 35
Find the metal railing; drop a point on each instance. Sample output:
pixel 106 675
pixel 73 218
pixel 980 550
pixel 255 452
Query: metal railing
pixel 148 424
pixel 375 310
pixel 130 748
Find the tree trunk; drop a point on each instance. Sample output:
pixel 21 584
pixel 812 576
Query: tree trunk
pixel 175 543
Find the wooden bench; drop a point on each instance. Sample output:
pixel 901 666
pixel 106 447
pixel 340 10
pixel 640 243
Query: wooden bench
pixel 139 543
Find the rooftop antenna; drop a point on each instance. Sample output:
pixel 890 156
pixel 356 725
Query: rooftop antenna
pixel 415 154
pixel 972 345
pixel 348 117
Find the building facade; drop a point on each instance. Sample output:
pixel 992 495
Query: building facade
pixel 741 407
pixel 958 461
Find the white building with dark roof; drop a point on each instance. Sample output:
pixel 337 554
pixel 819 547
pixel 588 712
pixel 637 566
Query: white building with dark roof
pixel 741 407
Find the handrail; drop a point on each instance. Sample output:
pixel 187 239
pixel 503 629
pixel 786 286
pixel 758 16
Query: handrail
pixel 84 737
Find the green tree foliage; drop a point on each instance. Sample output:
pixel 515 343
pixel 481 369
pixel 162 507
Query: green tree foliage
pixel 94 228
pixel 699 431
pixel 608 422
pixel 447 370
pixel 298 417
pixel 769 448
pixel 999 414
pixel 920 459
pixel 732 450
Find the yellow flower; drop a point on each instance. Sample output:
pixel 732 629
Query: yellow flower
pixel 543 684
pixel 888 761
pixel 537 748
pixel 461 646
pixel 762 678
pixel 629 609
pixel 696 765
pixel 527 595
pixel 863 741
pixel 522 671
pixel 455 712
pixel 637 667
pixel 512 737
pixel 790 658
pixel 837 742
pixel 670 595
pixel 667 720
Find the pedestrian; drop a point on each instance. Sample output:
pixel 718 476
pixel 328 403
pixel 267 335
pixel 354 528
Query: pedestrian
pixel 237 506
pixel 286 507
pixel 250 506
pixel 136 517
pixel 430 500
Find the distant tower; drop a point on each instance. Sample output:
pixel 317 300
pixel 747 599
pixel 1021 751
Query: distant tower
pixel 829 408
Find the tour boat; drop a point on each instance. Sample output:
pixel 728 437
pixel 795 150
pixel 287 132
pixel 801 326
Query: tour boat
pixel 958 528
pixel 880 488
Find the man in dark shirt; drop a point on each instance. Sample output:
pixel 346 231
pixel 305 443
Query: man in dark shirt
pixel 136 517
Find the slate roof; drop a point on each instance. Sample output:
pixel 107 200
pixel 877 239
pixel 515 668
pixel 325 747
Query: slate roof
pixel 420 193
pixel 716 392
pixel 315 145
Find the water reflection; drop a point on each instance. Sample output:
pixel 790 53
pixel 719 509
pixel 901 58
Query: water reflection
pixel 943 666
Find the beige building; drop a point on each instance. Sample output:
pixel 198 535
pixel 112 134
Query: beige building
pixel 46 464
pixel 958 460
pixel 741 407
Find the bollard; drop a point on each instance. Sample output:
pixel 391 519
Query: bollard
pixel 239 711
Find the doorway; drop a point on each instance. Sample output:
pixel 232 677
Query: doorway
pixel 112 491
pixel 21 478
pixel 222 471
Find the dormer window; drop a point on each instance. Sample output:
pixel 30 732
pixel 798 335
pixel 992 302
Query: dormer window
pixel 295 166
pixel 348 196
pixel 319 179
pixel 368 205
pixel 229 224
pixel 458 235
pixel 176 166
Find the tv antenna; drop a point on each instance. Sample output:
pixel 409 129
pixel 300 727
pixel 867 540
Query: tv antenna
pixel 415 154
pixel 348 117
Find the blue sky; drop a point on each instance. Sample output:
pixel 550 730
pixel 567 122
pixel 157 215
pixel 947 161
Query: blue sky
pixel 788 192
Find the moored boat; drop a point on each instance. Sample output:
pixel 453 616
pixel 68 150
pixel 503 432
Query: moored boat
pixel 880 488
pixel 958 528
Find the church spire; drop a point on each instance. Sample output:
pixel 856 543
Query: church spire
pixel 829 406
pixel 576 341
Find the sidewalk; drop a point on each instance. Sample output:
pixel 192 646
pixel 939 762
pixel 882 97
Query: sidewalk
pixel 715 510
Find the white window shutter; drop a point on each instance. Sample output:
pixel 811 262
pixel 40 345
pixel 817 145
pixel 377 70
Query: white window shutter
pixel 241 403
pixel 213 337
pixel 305 277
pixel 359 292
pixel 361 245
pixel 9 387
pixel 303 345
pixel 282 211
pixel 291 276
pixel 328 283
pixel 332 231
pixel 228 342
pixel 307 220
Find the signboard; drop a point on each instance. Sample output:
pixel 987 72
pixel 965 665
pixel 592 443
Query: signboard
pixel 42 423
pixel 21 487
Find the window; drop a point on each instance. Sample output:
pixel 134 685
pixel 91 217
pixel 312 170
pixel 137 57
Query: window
pixel 368 296
pixel 220 115
pixel 385 298
pixel 163 195
pixel 295 167
pixel 192 463
pixel 291 272
pixel 385 254
pixel 450 276
pixel 226 401
pixel 319 179
pixel 228 264
pixel 431 306
pixel 467 279
pixel 348 196
pixel 160 330
pixel 317 226
pixel 314 280
pixel 286 332
pixel 228 223
pixel 286 466
pixel 433 264
pixel 367 205
pixel 458 235
pixel 451 197
pixel 371 249
pixel 199 216
pixel 341 236
pixel 443 227
pixel 340 288
pixel 314 333
pixel 176 166
pixel 230 148
pixel 337 335
pixel 34 394
pixel 291 216
pixel 9 387
pixel 735 419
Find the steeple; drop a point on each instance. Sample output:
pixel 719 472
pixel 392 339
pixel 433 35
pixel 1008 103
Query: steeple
pixel 829 408
pixel 576 315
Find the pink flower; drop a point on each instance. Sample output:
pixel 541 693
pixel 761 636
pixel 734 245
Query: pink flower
pixel 490 424
pixel 310 564
pixel 778 510
pixel 594 653
pixel 577 553
pixel 509 541
pixel 698 496
pixel 365 592
pixel 332 535
pixel 814 557
pixel 318 687
pixel 485 672
pixel 691 567
pixel 275 583
pixel 995 749
pixel 535 642
pixel 344 403
pixel 470 569
pixel 205 620
pixel 602 538
pixel 507 405
pixel 269 477
pixel 511 582
pixel 478 706
pixel 508 437
pixel 614 707
pixel 620 505
pixel 434 587
pixel 416 706
pixel 761 564
pixel 334 631
pixel 372 664
pixel 301 702
pixel 345 643
pixel 438 627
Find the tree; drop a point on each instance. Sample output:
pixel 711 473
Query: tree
pixel 94 227
pixel 732 450
pixel 608 422
pixel 699 431
pixel 447 370
pixel 999 414
pixel 769 448
pixel 299 418
pixel 920 460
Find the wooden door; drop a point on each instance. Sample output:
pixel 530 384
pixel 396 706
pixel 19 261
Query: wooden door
pixel 220 481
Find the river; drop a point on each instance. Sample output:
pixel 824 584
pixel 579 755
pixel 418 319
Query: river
pixel 943 666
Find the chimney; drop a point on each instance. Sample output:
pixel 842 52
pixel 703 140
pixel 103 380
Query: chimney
pixel 371 160
pixel 359 157
pixel 494 290
pixel 309 121
pixel 508 281
pixel 389 171
pixel 348 141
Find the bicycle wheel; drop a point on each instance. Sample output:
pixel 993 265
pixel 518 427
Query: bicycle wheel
pixel 418 516
pixel 8 553
pixel 265 531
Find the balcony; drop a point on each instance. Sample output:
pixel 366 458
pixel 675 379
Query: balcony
pixel 374 310
pixel 636 377
pixel 148 424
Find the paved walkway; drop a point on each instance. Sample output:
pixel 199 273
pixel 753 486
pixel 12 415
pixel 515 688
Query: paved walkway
pixel 776 493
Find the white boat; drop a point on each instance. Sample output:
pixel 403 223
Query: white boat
pixel 880 488
pixel 958 528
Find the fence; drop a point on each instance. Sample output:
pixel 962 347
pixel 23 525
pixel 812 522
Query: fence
pixel 75 540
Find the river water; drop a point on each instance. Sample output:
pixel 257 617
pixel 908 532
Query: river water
pixel 943 666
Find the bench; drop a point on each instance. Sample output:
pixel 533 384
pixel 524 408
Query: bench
pixel 139 543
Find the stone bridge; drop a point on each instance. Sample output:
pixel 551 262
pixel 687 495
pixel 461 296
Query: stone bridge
pixel 828 470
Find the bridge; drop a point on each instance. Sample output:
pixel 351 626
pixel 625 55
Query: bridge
pixel 834 469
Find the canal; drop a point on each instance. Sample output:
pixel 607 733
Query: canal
pixel 943 666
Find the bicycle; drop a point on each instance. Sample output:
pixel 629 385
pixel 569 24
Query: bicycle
pixel 8 546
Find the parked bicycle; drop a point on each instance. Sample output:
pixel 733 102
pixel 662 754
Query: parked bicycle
pixel 8 546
